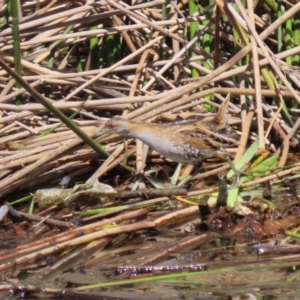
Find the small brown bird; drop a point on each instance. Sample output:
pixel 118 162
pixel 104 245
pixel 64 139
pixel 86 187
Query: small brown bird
pixel 186 141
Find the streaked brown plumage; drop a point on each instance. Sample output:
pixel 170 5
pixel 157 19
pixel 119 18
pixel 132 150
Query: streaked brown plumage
pixel 186 141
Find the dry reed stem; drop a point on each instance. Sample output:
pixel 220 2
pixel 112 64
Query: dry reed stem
pixel 257 81
pixel 286 144
pixel 107 103
pixel 107 167
pixel 65 236
pixel 245 135
pixel 28 169
pixel 108 161
pixel 273 177
pixel 89 237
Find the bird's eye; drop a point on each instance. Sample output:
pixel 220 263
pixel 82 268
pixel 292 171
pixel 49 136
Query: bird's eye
pixel 111 125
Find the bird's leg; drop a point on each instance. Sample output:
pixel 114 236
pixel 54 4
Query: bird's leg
pixel 197 168
pixel 186 179
pixel 236 172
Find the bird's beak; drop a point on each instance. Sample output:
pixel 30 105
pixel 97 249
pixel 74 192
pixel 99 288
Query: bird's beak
pixel 101 132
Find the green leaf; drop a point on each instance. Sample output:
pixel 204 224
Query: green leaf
pixel 233 194
pixel 248 155
pixel 268 164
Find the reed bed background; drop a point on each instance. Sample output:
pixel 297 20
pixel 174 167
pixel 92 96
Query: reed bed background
pixel 148 61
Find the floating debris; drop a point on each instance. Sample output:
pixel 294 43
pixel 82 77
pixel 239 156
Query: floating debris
pixel 89 193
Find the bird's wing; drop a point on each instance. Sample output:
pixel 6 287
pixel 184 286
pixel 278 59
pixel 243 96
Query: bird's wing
pixel 211 137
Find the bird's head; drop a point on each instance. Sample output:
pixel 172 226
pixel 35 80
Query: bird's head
pixel 117 125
